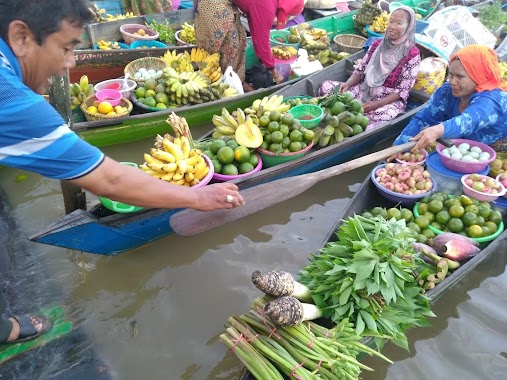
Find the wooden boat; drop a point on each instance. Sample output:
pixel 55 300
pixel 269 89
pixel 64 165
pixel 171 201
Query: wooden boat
pixel 100 65
pixel 366 197
pixel 102 232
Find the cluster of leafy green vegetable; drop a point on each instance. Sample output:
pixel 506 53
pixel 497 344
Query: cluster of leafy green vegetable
pixel 368 277
pixel 492 17
pixel 165 32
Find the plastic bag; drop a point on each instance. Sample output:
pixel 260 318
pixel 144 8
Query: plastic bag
pixel 233 80
pixel 431 75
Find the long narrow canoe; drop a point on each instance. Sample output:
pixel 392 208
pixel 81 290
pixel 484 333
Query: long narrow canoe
pixel 367 197
pixel 103 232
pixel 100 65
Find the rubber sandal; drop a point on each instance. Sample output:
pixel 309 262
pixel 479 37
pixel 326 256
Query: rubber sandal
pixel 26 329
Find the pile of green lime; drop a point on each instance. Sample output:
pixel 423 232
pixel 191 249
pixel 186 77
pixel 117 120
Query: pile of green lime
pixel 230 158
pixel 282 133
pixel 463 215
pixel 299 101
pixel 420 232
pixel 153 94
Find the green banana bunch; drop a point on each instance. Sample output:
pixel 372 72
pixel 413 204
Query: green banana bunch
pixel 227 123
pixel 267 104
pixel 80 91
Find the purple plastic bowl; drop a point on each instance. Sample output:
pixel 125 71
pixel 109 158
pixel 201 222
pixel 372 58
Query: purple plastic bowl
pixel 466 167
pixel 223 177
pixel 208 177
pixel 107 95
pixel 397 197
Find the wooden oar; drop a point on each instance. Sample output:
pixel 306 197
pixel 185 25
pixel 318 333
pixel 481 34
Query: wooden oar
pixel 190 222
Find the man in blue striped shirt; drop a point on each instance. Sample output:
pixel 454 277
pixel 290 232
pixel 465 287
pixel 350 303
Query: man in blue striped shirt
pixel 37 41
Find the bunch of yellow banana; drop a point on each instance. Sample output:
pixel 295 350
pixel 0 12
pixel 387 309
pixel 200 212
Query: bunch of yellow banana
pixel 503 70
pixel 108 45
pixel 189 87
pixel 379 23
pixel 110 17
pixel 100 14
pixel 284 52
pixel 316 35
pixel 174 159
pixel 227 124
pixel 187 33
pixel 80 91
pixel 267 104
pixel 212 68
pixel 178 61
pixel 197 55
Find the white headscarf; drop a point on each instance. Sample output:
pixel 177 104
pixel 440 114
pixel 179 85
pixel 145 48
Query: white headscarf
pixel 388 55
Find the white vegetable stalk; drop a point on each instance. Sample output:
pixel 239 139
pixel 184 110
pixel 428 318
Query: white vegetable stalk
pixel 279 283
pixel 288 311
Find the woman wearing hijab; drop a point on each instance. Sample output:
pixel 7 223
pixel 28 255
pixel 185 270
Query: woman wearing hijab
pixel 218 29
pixel 472 104
pixel 386 74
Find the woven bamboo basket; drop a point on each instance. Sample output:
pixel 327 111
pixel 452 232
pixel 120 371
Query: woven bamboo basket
pixel 98 116
pixel 146 62
pixel 349 43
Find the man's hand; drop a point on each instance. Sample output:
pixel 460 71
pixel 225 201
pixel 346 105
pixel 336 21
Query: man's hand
pixel 428 136
pixel 219 195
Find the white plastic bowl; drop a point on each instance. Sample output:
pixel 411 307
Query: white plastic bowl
pixel 127 86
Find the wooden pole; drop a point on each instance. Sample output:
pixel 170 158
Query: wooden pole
pixel 74 197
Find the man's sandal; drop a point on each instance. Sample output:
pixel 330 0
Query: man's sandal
pixel 27 330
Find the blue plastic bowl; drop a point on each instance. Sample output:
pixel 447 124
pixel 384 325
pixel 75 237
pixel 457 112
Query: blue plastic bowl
pixel 121 44
pixel 149 44
pixel 370 33
pixel 397 197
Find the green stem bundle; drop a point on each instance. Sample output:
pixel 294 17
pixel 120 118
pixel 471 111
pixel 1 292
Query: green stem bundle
pixel 306 351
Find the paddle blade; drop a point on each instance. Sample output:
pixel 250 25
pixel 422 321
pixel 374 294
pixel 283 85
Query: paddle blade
pixel 190 222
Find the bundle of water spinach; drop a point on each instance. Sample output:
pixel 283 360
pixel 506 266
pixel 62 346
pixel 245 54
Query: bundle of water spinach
pixel 369 276
pixel 305 351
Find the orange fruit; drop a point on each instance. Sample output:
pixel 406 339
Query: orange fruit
pixel 105 107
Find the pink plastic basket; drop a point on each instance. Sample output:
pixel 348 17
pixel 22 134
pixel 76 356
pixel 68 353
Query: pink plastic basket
pixel 499 179
pixel 466 167
pixel 223 177
pixel 127 31
pixel 479 195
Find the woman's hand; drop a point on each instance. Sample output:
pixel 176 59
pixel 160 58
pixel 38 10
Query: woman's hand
pixel 428 136
pixel 371 106
pixel 276 76
pixel 344 87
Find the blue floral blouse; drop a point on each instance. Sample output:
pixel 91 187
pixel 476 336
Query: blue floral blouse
pixel 484 120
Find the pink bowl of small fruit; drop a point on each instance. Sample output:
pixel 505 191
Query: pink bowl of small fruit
pixel 412 158
pixel 482 187
pixel 502 178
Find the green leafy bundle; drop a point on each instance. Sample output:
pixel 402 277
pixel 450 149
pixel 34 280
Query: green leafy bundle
pixel 166 34
pixel 368 276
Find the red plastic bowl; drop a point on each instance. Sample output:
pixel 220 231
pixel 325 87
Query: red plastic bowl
pixel 223 177
pixel 466 167
pixel 479 195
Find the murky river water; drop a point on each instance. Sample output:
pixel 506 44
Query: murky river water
pixel 157 312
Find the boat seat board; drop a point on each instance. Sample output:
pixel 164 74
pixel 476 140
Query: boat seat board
pixel 61 327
